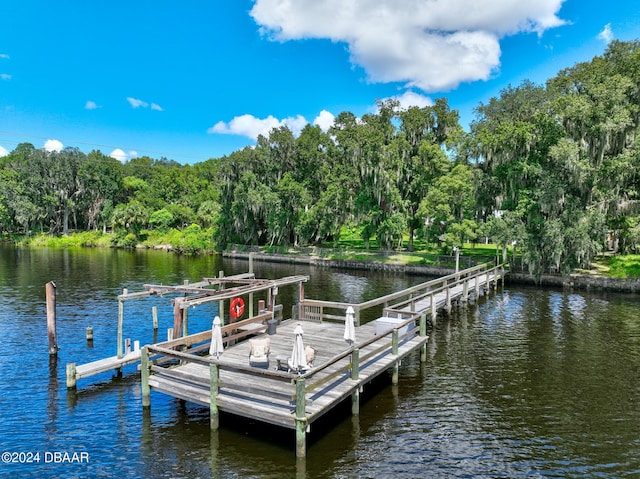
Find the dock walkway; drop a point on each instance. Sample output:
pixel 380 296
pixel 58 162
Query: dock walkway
pixel 230 384
pixel 182 367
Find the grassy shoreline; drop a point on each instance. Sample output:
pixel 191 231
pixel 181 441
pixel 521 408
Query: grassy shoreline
pixel 197 241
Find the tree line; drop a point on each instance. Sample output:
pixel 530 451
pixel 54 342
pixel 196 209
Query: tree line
pixel 552 169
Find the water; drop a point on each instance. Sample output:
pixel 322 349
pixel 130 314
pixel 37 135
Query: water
pixel 528 383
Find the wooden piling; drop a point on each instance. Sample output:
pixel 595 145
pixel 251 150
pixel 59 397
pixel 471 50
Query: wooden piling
pixel 89 334
pixel 423 333
pixel 144 377
pixel 185 315
pixel 50 293
pixel 301 419
pixel 71 375
pixel 394 350
pixel 154 315
pixel 121 323
pixel 355 375
pixel 178 316
pixel 434 310
pixel 214 416
pixel 221 302
pixel 251 294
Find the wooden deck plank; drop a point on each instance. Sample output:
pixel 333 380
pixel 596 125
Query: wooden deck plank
pixel 270 396
pixel 272 400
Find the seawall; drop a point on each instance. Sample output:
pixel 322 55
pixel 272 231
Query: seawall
pixel 575 281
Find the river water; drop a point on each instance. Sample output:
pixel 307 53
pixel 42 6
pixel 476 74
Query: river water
pixel 528 382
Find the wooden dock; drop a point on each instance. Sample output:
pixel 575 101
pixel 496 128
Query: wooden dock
pixel 183 368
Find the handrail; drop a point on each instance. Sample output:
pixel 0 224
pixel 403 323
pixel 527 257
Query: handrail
pixel 164 349
pixel 469 273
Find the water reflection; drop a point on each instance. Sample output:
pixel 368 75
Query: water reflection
pixel 526 382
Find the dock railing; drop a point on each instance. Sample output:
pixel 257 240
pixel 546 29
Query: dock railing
pixel 297 386
pixel 405 301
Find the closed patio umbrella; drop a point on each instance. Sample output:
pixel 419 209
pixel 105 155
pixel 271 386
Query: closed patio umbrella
pixel 216 347
pixel 298 360
pixel 349 327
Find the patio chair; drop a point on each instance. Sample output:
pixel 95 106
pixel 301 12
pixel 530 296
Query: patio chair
pixel 259 349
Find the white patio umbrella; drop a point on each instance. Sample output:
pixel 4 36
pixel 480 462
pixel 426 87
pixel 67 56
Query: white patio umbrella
pixel 216 347
pixel 349 328
pixel 298 360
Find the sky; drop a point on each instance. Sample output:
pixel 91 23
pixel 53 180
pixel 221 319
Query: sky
pixel 195 79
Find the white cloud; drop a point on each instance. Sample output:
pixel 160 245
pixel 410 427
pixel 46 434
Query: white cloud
pixel 411 98
pixel 432 45
pixel 3 151
pixel 606 35
pixel 250 126
pixel 122 156
pixel 135 103
pixel 4 56
pixel 90 105
pixel 324 120
pixel 53 145
pixel 5 76
pixel 119 155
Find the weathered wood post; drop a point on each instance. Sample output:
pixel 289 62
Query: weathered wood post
pixel 154 316
pixel 301 419
pixel 447 305
pixel 434 310
pixel 185 315
pixel 251 294
pixel 50 293
pixel 144 377
pixel 71 375
pixel 465 291
pixel 355 375
pixel 394 351
pixel 300 300
pixel 178 316
pixel 214 385
pixel 221 302
pixel 89 334
pixel 121 323
pixel 423 333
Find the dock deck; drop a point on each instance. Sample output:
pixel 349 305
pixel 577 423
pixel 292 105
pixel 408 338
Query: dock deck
pixel 270 395
pixel 183 368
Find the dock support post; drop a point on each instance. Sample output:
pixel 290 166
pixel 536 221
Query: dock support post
pixel 434 311
pixel 448 300
pixel 394 351
pixel 221 302
pixel 154 316
pixel 121 323
pixel 50 293
pixel 214 416
pixel 355 375
pixel 185 315
pixel 144 377
pixel 251 294
pixel 301 420
pixel 477 288
pixel 465 291
pixel 178 316
pixel 423 333
pixel 71 375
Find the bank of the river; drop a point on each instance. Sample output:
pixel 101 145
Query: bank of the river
pixel 576 280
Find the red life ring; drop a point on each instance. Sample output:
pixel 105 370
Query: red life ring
pixel 237 308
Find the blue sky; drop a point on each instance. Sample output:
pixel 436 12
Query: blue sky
pixel 194 80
